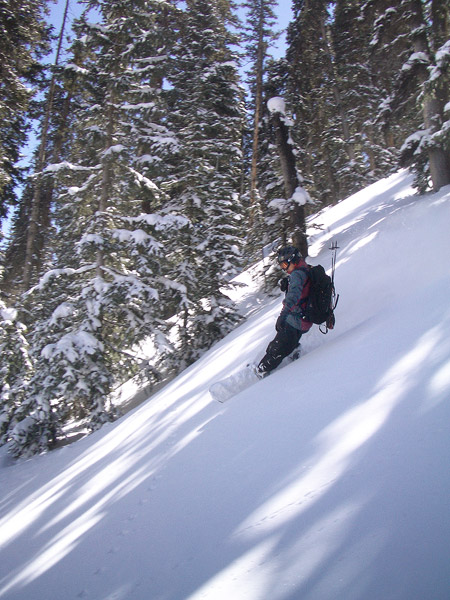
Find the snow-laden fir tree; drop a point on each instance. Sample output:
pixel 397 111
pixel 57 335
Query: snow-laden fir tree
pixel 23 42
pixel 206 112
pixel 428 67
pixel 334 87
pixel 102 298
pixel 15 372
pixel 311 97
pixel 259 36
pixel 357 93
pixel 410 43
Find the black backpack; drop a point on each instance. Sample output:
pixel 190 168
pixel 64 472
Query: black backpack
pixel 321 302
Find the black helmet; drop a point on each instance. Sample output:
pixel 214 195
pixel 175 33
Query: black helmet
pixel 288 254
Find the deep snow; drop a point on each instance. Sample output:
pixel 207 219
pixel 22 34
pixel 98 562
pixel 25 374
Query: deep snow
pixel 328 480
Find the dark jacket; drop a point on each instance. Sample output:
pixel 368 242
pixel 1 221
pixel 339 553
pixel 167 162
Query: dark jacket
pixel 294 300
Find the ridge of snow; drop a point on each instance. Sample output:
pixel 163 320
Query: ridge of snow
pixel 327 480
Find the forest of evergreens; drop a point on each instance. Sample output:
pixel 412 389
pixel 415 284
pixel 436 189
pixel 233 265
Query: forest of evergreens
pixel 159 173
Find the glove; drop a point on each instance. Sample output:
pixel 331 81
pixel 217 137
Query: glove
pixel 279 325
pixel 284 284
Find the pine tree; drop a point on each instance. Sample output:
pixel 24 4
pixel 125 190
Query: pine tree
pixel 15 372
pixel 438 86
pixel 415 81
pixel 428 66
pixel 206 112
pixel 41 200
pixel 274 225
pixel 295 196
pixel 29 236
pixel 260 20
pixel 103 296
pixel 23 41
pixel 311 94
pixel 359 97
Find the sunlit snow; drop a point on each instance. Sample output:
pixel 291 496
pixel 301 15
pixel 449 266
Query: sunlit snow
pixel 328 480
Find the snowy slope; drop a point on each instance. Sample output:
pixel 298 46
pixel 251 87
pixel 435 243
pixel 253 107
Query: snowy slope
pixel 328 480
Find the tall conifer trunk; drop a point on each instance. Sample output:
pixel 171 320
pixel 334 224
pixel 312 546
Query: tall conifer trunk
pixel 36 217
pixel 433 107
pixel 297 224
pixel 259 68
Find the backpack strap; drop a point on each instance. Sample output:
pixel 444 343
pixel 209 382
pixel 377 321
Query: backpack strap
pixel 304 298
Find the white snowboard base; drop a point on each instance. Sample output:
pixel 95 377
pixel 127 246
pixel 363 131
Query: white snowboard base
pixel 226 388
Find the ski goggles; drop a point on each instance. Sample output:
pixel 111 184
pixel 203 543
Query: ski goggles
pixel 284 264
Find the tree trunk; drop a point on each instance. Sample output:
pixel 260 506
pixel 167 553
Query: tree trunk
pixel 11 282
pixel 36 208
pixel 297 223
pixel 106 177
pixel 438 157
pixel 258 102
pixel 433 106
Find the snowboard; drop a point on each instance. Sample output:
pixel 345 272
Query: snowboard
pixel 239 381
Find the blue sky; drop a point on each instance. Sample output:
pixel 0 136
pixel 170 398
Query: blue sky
pixel 283 12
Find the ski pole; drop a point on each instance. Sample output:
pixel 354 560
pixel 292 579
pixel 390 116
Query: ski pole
pixel 334 248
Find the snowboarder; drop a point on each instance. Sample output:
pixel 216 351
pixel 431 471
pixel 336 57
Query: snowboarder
pixel 291 324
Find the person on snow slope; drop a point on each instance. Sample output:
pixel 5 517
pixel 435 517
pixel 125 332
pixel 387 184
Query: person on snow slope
pixel 291 324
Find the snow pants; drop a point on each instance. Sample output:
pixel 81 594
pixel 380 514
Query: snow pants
pixel 285 342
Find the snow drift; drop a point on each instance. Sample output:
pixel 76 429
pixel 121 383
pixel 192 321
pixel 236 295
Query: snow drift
pixel 327 480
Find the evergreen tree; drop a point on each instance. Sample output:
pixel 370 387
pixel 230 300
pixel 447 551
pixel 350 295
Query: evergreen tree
pixel 311 86
pixel 41 200
pixel 102 298
pixel 411 59
pixel 427 67
pixel 206 112
pixel 30 227
pixel 259 35
pixel 274 218
pixel 15 371
pixel 295 196
pixel 358 93
pixel 23 42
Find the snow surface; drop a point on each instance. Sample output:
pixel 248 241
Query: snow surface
pixel 328 480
